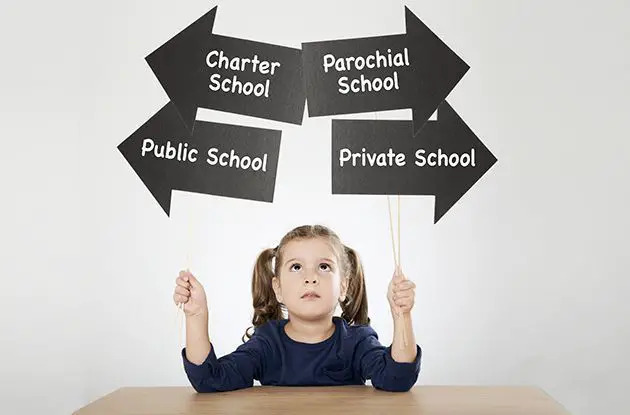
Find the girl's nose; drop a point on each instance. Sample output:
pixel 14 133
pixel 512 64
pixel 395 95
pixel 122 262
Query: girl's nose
pixel 311 280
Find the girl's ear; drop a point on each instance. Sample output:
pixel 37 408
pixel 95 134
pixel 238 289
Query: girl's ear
pixel 275 282
pixel 344 289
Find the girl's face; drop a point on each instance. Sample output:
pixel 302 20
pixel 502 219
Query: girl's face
pixel 310 283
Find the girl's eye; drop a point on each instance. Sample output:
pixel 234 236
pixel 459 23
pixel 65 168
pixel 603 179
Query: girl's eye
pixel 295 267
pixel 324 267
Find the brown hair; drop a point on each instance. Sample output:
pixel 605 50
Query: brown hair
pixel 266 306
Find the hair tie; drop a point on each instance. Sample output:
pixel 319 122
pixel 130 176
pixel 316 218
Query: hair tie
pixel 274 252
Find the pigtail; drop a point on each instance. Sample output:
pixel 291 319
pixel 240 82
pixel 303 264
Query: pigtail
pixel 266 305
pixel 355 307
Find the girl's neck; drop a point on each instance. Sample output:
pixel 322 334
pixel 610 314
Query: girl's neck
pixel 309 331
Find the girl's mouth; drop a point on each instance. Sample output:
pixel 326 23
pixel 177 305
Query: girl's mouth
pixel 310 295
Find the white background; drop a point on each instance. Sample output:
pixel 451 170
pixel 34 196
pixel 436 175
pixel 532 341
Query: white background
pixel 524 282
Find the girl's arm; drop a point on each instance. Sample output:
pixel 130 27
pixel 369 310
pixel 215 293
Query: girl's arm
pixel 400 352
pixel 393 368
pixel 205 372
pixel 401 295
pixel 376 362
pixel 190 292
pixel 198 345
pixel 236 370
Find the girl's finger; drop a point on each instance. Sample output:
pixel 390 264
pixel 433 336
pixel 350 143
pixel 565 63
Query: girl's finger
pixel 182 291
pixel 404 294
pixel 194 282
pixel 403 302
pixel 180 281
pixel 405 285
pixel 181 298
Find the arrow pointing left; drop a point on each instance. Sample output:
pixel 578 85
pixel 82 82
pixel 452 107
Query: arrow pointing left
pixel 217 159
pixel 199 69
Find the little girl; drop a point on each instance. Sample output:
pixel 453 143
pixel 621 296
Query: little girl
pixel 307 274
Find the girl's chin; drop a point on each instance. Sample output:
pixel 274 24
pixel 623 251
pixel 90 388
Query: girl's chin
pixel 312 313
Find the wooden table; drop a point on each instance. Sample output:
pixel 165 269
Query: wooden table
pixel 421 400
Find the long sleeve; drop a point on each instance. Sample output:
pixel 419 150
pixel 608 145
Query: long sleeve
pixel 236 370
pixel 374 361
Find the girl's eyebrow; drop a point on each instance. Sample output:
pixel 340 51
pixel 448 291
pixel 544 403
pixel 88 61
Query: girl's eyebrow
pixel 299 259
pixel 289 260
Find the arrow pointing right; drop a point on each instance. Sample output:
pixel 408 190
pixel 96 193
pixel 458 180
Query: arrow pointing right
pixel 454 136
pixel 383 157
pixel 413 70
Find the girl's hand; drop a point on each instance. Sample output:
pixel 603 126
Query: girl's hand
pixel 188 290
pixel 401 293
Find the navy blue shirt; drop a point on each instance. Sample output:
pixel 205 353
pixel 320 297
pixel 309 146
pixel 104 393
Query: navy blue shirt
pixel 350 356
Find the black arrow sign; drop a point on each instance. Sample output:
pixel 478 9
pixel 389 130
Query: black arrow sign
pixel 379 157
pixel 219 159
pixel 413 70
pixel 199 69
